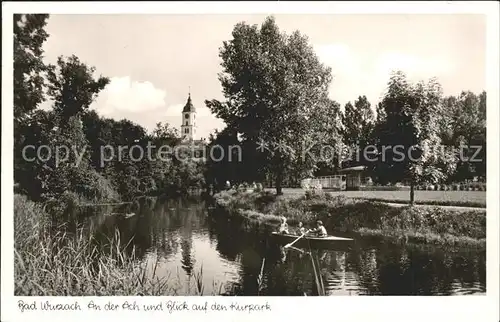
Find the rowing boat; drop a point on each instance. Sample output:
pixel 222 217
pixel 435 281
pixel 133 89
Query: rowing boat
pixel 310 241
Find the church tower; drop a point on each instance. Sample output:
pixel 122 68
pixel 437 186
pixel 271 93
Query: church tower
pixel 188 127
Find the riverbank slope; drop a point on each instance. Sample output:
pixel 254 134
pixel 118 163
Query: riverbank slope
pixel 433 225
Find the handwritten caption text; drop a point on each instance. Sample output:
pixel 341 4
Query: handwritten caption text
pixel 169 307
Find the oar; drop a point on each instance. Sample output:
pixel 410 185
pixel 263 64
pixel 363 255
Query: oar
pixel 288 245
pixel 259 278
pixel 298 249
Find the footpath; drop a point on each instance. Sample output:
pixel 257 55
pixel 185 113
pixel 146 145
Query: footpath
pixel 438 206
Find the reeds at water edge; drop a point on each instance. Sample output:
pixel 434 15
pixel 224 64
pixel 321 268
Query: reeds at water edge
pixel 52 261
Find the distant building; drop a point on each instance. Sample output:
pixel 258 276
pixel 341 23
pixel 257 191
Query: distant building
pixel 354 177
pixel 188 131
pixel 188 126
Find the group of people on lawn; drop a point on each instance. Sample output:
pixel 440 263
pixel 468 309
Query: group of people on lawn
pixel 319 231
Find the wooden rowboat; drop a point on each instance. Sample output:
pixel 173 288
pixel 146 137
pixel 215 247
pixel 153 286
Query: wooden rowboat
pixel 310 241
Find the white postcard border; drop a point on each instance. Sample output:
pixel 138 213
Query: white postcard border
pixel 373 308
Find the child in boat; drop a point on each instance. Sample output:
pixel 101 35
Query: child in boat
pixel 320 230
pixel 283 228
pixel 301 230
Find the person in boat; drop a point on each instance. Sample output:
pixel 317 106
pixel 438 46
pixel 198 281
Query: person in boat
pixel 319 231
pixel 283 228
pixel 301 230
pixel 283 254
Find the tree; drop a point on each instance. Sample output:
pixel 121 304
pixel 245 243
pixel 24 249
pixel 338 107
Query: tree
pixel 469 124
pixel 163 131
pixel 38 131
pixel 328 121
pixel 29 36
pixel 73 87
pixel 273 83
pixel 480 138
pixel 358 122
pixel 408 133
pixel 463 126
pixel 223 163
pixel 124 167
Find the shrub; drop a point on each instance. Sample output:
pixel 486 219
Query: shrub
pixel 97 188
pixel 338 201
pixel 314 191
pixel 64 208
pixel 305 184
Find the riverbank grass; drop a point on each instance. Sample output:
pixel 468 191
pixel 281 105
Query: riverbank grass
pixel 340 214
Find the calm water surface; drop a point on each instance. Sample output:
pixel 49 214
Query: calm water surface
pixel 190 241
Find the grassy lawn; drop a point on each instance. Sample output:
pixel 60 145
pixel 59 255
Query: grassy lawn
pixel 444 197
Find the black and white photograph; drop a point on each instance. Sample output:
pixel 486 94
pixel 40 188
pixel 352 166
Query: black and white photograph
pixel 250 154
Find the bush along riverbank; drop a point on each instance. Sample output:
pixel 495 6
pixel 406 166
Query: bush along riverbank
pixel 429 225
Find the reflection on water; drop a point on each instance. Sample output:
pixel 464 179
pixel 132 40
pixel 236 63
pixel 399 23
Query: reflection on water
pixel 184 239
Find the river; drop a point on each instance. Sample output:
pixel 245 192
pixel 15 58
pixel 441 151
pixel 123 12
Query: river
pixel 197 247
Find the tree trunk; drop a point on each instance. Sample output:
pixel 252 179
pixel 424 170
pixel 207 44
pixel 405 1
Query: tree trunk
pixel 412 192
pixel 279 181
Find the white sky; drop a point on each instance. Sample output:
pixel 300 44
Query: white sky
pixel 153 59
